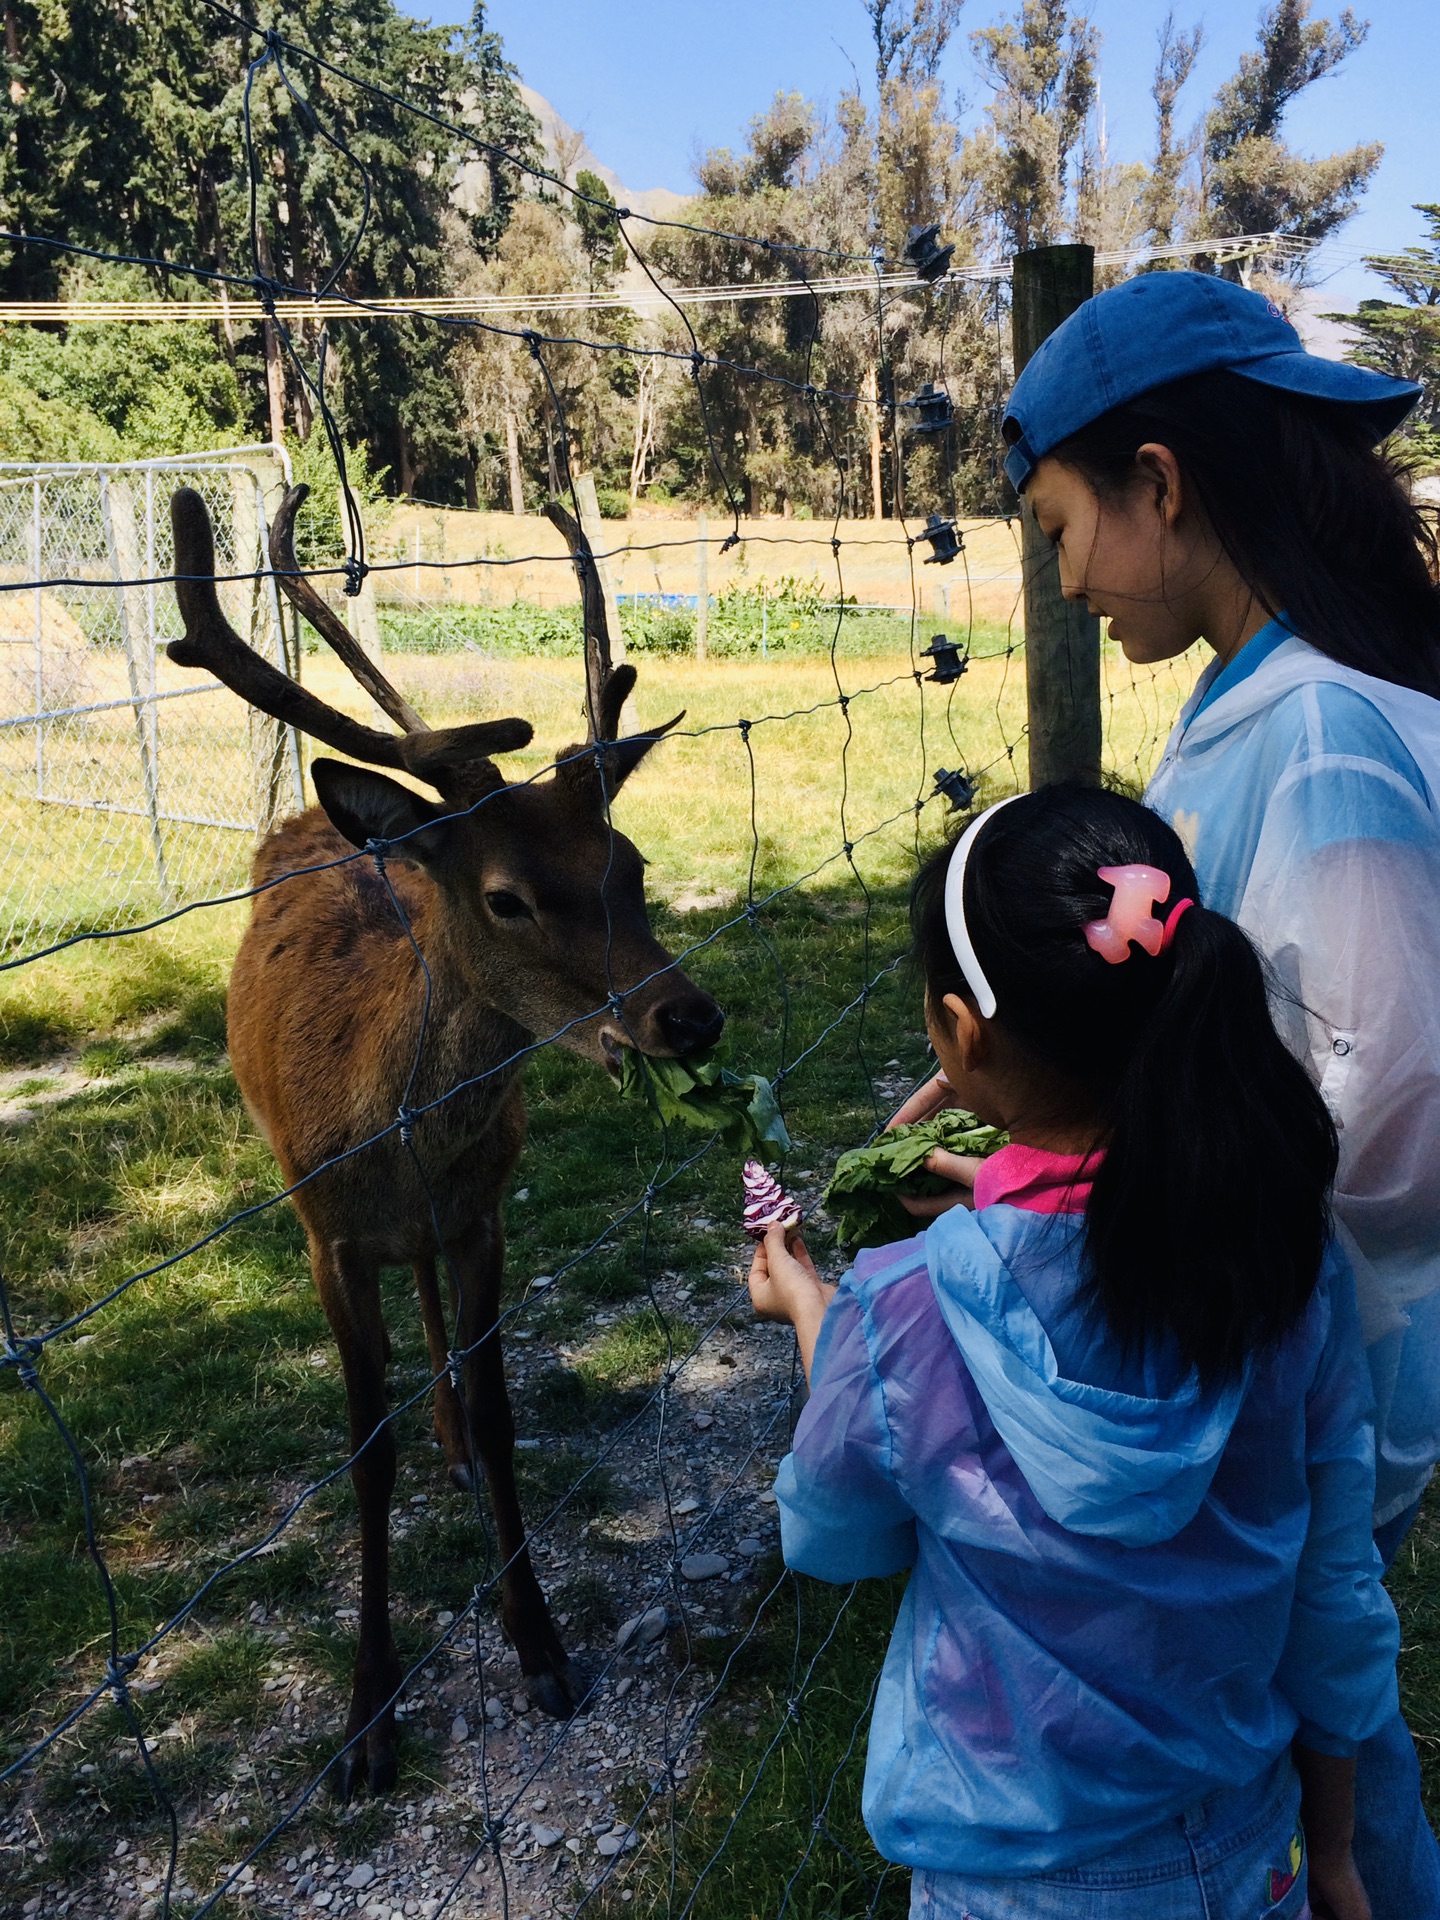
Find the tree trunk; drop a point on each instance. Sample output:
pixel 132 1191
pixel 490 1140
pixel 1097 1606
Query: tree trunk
pixel 512 458
pixel 871 393
pixel 274 382
pixel 472 492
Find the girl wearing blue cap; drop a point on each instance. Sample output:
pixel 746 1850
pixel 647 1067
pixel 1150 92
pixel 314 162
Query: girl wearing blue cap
pixel 1115 1420
pixel 1203 477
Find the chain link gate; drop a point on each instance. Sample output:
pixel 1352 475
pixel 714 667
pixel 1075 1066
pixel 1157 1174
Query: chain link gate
pixel 128 785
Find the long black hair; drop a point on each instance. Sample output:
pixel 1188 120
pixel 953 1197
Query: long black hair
pixel 1209 1212
pixel 1317 520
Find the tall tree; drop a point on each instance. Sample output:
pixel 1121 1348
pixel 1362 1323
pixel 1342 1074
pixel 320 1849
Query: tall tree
pixel 910 36
pixel 1401 337
pixel 1165 198
pixel 1041 65
pixel 1253 181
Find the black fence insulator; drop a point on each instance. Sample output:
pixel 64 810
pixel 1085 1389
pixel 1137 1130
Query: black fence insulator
pixel 950 662
pixel 958 788
pixel 932 409
pixel 923 250
pixel 945 541
pixel 355 572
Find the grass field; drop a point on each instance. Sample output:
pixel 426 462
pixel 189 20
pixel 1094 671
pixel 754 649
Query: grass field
pixel 206 1397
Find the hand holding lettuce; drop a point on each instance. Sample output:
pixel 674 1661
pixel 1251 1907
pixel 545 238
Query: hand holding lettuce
pixel 861 1197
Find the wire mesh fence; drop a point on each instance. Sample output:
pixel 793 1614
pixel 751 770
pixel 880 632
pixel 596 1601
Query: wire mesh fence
pixel 126 785
pixel 175 1415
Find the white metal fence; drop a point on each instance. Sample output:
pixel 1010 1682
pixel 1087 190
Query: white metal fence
pixel 127 784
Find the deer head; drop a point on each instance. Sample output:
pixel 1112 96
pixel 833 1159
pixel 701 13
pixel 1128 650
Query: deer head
pixel 538 903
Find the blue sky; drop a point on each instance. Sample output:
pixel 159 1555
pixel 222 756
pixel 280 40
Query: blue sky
pixel 652 82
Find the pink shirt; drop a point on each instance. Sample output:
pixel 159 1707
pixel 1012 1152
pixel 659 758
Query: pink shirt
pixel 1036 1180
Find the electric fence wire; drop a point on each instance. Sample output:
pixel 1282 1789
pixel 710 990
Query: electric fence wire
pixel 687 1701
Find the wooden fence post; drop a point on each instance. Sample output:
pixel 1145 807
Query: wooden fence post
pixel 1062 640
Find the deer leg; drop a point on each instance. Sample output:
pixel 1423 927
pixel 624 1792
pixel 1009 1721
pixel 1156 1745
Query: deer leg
pixel 349 1289
pixel 550 1679
pixel 449 1414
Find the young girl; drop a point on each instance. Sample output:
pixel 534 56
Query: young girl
pixel 1116 1419
pixel 1204 478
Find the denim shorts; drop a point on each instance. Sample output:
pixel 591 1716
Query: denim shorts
pixel 1238 1855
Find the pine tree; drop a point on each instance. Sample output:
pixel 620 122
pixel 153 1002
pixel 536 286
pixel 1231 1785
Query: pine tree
pixel 1402 337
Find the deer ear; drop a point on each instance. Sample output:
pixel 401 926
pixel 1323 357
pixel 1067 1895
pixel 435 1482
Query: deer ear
pixel 367 806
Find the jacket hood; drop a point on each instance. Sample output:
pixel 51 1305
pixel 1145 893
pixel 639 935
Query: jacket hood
pixel 1100 1461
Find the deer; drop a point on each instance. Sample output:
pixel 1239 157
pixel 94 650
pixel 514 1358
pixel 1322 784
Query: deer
pixel 388 997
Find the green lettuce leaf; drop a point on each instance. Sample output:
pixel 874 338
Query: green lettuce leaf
pixel 861 1195
pixel 702 1092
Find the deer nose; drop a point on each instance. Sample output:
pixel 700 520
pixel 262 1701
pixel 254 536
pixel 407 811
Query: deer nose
pixel 691 1023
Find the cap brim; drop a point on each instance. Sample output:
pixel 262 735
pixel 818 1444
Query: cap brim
pixel 1383 402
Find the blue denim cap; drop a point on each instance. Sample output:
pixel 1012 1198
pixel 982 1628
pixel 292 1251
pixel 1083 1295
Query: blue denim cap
pixel 1161 327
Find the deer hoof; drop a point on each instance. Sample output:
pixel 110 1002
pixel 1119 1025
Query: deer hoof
pixel 461 1477
pixel 561 1694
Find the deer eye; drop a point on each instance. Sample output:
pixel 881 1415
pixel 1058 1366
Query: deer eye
pixel 507 906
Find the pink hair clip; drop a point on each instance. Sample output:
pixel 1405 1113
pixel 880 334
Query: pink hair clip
pixel 1137 890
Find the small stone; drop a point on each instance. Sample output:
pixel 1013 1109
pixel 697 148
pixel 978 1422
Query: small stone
pixel 305 1885
pixel 643 1630
pixel 704 1566
pixel 749 1548
pixel 459 1730
pixel 624 1687
pixel 541 1282
pixel 521 1703
pixel 703 1422
pixel 427 1832
pixel 573 1844
pixel 446 1619
pixel 324 1899
pixel 32 1906
pixel 688 1505
pixel 527 1446
pixel 547 1836
pixel 360 1876
pixel 766 1496
pixel 609 1844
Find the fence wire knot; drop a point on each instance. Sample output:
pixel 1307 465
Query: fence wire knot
pixel 616 1005
pixel 730 540
pixel 377 850
pixel 494 1834
pixel 532 341
pixel 406 1116
pixel 117 1673
pixel 452 1367
pixel 355 572
pixel 22 1355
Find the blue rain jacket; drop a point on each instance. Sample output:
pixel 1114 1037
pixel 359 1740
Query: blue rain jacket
pixel 1305 793
pixel 1123 1595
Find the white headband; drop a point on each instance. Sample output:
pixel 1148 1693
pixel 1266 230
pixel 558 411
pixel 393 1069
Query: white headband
pixel 955 911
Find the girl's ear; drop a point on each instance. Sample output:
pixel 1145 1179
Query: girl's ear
pixel 1160 470
pixel 969 1030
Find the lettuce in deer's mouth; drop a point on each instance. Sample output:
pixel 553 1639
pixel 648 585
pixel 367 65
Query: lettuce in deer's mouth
pixel 702 1092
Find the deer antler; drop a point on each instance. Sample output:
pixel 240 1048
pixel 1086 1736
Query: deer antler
pixel 607 687
pixel 326 622
pixel 212 643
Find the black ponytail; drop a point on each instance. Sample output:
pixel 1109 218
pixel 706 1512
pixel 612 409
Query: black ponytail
pixel 1318 521
pixel 1209 1214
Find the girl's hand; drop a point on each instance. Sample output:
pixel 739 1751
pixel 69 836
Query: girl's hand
pixel 961 1168
pixel 784 1286
pixel 1336 1892
pixel 924 1103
